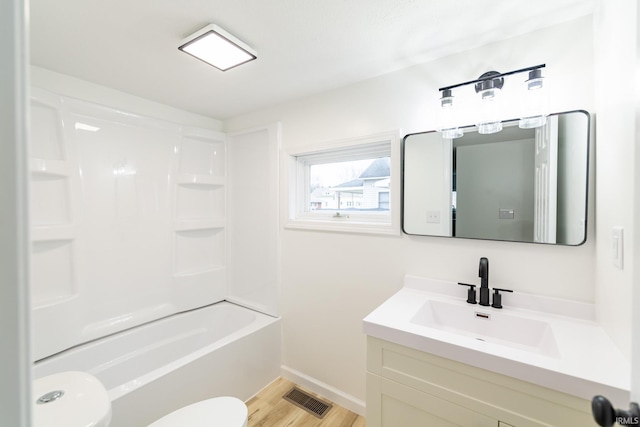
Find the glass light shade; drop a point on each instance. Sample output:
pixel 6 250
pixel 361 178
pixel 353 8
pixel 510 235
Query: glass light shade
pixel 532 122
pixel 447 118
pixel 452 133
pixel 489 120
pixel 534 102
pixel 489 127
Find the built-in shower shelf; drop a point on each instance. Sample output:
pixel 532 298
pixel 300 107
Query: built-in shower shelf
pixel 50 167
pixel 198 224
pixel 54 301
pixel 200 179
pixel 217 269
pixel 53 233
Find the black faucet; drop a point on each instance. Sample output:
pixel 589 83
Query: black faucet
pixel 483 273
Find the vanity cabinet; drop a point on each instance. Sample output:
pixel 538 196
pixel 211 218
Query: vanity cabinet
pixel 406 387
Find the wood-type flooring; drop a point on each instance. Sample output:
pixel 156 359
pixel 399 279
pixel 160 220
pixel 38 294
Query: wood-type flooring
pixel 269 409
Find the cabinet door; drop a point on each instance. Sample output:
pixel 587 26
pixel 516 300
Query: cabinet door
pixel 515 402
pixel 400 405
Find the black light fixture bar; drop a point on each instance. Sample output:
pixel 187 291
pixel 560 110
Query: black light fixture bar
pixel 493 77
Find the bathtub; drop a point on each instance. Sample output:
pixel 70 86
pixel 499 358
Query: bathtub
pixel 153 369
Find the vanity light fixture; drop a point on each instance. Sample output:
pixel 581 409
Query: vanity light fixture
pixel 489 86
pixel 217 47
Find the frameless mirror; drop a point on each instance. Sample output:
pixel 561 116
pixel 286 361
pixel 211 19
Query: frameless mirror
pixel 523 185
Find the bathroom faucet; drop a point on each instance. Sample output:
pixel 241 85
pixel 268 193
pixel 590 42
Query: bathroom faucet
pixel 483 273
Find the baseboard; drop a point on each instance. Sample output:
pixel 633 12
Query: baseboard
pixel 325 390
pixel 263 388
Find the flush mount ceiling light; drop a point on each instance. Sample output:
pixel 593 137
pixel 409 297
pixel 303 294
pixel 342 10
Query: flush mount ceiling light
pixel 533 108
pixel 217 47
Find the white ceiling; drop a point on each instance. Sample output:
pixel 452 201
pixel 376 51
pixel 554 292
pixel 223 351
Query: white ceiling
pixel 304 46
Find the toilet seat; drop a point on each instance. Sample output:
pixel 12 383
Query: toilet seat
pixel 220 411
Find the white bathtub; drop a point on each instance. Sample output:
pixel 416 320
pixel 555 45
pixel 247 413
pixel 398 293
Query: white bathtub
pixel 153 369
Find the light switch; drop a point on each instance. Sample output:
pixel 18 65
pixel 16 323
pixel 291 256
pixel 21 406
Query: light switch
pixel 618 247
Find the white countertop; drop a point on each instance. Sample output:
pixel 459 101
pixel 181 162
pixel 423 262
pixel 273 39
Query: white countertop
pixel 587 363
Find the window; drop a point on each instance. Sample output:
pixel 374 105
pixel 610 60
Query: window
pixel 348 186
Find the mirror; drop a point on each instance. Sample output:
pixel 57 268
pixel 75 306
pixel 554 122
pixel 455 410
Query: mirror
pixel 521 185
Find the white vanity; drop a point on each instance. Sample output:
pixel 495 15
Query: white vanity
pixel 435 360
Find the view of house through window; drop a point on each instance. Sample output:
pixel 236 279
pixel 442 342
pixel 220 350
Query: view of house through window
pixel 346 186
pixel 358 185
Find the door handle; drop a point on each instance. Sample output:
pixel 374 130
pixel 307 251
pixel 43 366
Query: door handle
pixel 606 416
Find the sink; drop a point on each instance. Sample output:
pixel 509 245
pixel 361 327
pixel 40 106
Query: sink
pixel 551 342
pixel 490 325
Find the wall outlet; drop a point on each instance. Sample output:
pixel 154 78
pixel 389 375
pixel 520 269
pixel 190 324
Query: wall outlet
pixel 433 217
pixel 618 247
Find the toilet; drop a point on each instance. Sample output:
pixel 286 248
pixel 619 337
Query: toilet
pixel 78 399
pixel 219 411
pixel 70 399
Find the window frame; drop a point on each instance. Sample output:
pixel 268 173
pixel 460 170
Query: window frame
pixel 300 159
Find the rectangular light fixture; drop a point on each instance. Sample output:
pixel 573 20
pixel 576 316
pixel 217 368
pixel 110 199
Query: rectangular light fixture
pixel 217 47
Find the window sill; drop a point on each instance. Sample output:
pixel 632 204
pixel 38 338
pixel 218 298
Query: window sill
pixel 342 226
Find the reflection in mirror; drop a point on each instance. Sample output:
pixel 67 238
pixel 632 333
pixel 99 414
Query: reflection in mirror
pixel 524 185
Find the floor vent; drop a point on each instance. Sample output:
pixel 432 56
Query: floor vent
pixel 307 402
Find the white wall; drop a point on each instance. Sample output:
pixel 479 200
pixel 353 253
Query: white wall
pixel 15 372
pixel 330 281
pixel 254 255
pixel 615 58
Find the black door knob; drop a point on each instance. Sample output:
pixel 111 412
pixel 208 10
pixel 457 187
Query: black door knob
pixel 603 411
pixel 606 416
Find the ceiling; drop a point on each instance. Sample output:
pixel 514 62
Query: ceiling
pixel 304 46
